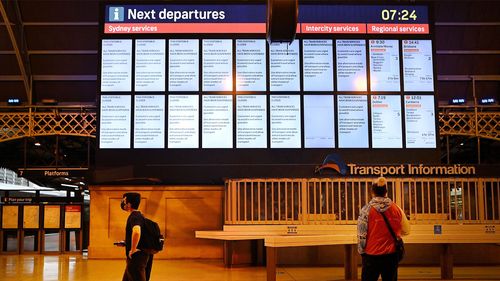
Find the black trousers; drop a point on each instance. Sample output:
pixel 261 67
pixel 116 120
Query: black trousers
pixel 138 267
pixel 374 266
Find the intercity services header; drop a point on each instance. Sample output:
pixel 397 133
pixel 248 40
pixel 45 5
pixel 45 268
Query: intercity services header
pixel 251 18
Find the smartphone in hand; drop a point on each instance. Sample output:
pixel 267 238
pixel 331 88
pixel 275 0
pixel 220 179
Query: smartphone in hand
pixel 119 243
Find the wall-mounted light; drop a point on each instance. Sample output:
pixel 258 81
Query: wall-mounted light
pixel 486 101
pixel 13 101
pixel 457 101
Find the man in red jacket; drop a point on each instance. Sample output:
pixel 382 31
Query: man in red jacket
pixel 375 242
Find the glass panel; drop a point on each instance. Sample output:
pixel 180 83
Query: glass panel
pixel 10 241
pixel 30 241
pixel 51 241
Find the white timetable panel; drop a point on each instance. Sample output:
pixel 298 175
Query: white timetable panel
pixel 217 121
pixel 217 65
pixel 284 66
pixel 318 65
pixel 353 121
pixel 251 121
pixel 115 117
pixel 319 121
pixel 384 65
pixel 351 65
pixel 285 121
pixel 150 65
pixel 183 121
pixel 420 121
pixel 386 121
pixel 149 121
pixel 116 66
pixel 250 65
pixel 183 65
pixel 417 66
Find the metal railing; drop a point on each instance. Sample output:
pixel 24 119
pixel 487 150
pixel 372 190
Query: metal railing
pixel 339 200
pixel 44 121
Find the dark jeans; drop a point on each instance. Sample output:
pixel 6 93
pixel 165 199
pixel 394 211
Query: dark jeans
pixel 374 266
pixel 139 267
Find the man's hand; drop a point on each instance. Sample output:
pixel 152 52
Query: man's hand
pixel 131 252
pixel 136 236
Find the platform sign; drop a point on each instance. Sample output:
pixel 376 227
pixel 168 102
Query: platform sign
pixel 73 216
pixel 51 216
pixel 114 129
pixel 183 65
pixel 351 65
pixel 31 216
pixel 183 121
pixel 116 66
pixel 150 65
pixel 10 217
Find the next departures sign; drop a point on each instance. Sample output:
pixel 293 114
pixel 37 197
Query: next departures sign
pixel 251 18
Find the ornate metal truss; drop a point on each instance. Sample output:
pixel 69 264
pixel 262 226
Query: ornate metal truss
pixel 470 123
pixel 55 121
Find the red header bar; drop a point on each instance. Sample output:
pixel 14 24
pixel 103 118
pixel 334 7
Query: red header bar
pixel 333 28
pixel 306 28
pixel 398 28
pixel 131 28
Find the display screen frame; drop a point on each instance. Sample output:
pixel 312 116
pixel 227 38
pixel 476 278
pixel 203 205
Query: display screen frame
pixel 212 166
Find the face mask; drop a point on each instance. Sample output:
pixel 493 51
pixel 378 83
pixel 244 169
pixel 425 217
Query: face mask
pixel 122 205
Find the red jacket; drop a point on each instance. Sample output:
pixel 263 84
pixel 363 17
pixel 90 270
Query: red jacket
pixel 379 240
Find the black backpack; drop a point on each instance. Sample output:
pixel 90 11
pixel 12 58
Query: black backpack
pixel 151 238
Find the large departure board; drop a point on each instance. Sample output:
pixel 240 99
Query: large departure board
pixel 194 93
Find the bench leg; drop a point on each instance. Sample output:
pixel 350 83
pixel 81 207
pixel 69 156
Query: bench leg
pixel 446 261
pixel 350 262
pixel 271 260
pixel 228 253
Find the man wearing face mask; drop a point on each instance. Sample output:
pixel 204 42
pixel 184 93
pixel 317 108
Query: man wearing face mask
pixel 139 262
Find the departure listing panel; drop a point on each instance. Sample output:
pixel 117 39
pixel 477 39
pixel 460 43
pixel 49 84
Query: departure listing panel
pixel 284 66
pixel 319 121
pixel 417 66
pixel 149 65
pixel 318 65
pixel 250 65
pixel 353 121
pixel 115 117
pixel 183 65
pixel 285 121
pixel 217 121
pixel 384 66
pixel 251 121
pixel 351 65
pixel 217 65
pixel 183 121
pixel 420 121
pixel 386 121
pixel 116 66
pixel 149 121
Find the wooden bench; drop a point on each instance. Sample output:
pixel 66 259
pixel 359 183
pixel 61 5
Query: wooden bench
pixel 281 236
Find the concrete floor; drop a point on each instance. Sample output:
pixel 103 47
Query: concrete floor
pixel 79 268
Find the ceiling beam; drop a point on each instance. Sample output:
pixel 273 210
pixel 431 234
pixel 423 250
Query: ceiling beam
pixel 24 73
pixel 51 78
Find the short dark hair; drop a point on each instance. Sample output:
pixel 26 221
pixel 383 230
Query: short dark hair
pixel 379 187
pixel 133 198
